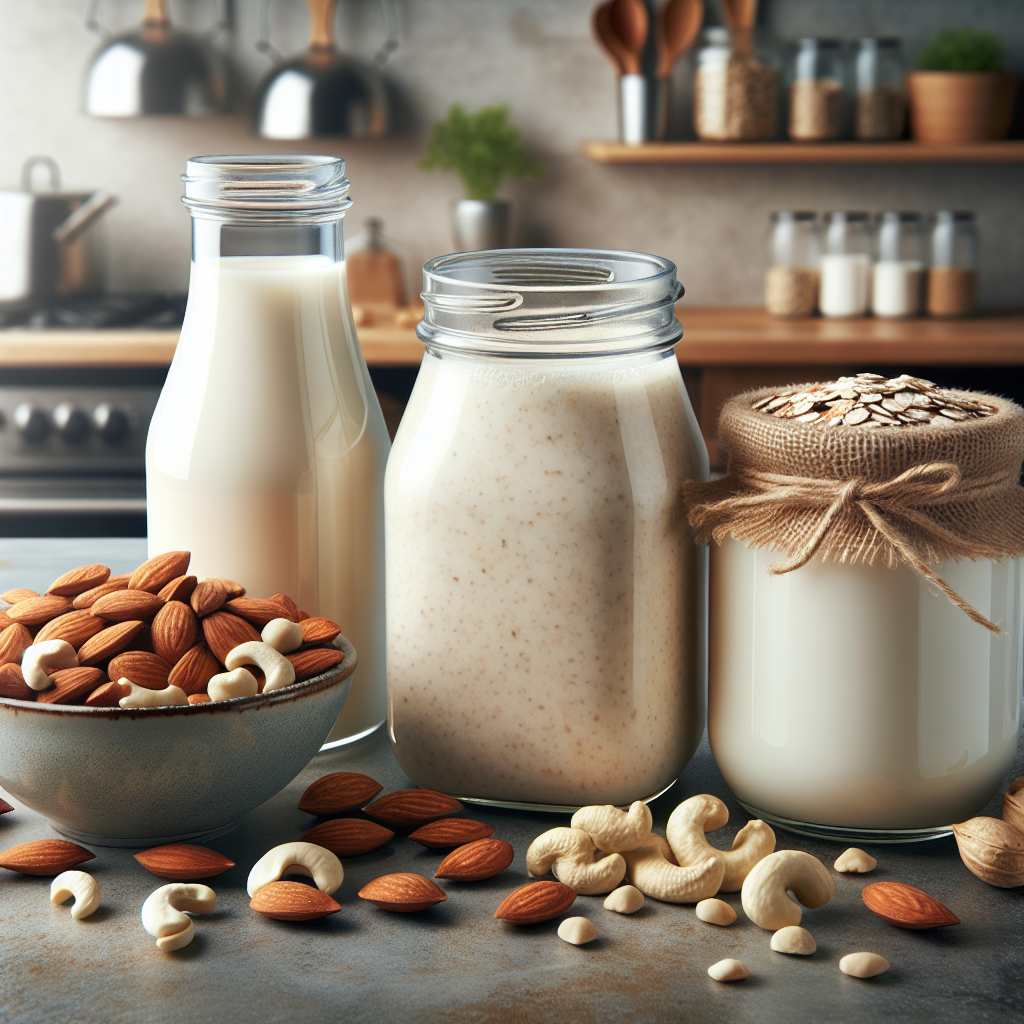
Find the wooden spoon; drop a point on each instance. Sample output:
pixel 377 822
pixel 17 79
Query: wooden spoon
pixel 629 23
pixel 739 14
pixel 677 26
pixel 601 23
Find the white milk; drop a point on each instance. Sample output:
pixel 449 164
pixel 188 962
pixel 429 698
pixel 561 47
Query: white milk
pixel 266 452
pixel 845 288
pixel 896 287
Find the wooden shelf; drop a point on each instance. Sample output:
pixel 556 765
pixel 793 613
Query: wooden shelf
pixel 1009 151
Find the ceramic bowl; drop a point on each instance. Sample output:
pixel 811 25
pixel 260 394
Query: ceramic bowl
pixel 146 776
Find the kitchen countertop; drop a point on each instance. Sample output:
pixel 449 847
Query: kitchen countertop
pixel 455 962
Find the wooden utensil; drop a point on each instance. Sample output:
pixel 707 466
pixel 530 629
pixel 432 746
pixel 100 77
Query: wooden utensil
pixel 675 30
pixel 630 24
pixel 601 23
pixel 739 15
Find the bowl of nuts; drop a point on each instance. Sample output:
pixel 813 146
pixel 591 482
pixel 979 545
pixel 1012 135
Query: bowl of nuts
pixel 152 707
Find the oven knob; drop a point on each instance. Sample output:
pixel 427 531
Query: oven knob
pixel 72 423
pixel 111 422
pixel 31 421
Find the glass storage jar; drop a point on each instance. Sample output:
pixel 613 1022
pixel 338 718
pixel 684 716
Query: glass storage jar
pixel 816 91
pixel 881 105
pixel 736 87
pixel 545 597
pixel 791 284
pixel 952 275
pixel 898 273
pixel 846 265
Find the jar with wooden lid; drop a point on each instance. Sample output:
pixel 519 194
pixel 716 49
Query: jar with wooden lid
pixel 791 284
pixel 952 275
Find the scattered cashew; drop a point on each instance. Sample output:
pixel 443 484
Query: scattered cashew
pixel 239 683
pixel 863 965
pixel 627 899
pixel 729 970
pixel 856 862
pixel 577 930
pixel 163 917
pixel 276 667
pixel 653 870
pixel 612 830
pixel 568 853
pixel 140 697
pixel 716 912
pixel 794 939
pixel 705 813
pixel 764 896
pixel 50 654
pixel 283 635
pixel 297 859
pixel 80 885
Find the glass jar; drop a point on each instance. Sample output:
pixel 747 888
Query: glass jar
pixel 881 107
pixel 791 284
pixel 898 273
pixel 267 447
pixel 545 598
pixel 846 265
pixel 816 91
pixel 952 275
pixel 736 88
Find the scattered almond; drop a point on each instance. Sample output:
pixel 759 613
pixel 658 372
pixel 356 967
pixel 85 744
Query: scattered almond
pixel 70 685
pixel 34 611
pixel 208 597
pixel 906 907
pixel 12 683
pixel 108 642
pixel 115 583
pixel 348 837
pixel 224 632
pixel 337 792
pixel 79 580
pixel 157 572
pixel 125 605
pixel 13 641
pixel 992 849
pixel 141 667
pixel 259 611
pixel 314 661
pixel 196 667
pixel 75 627
pixel 483 858
pixel 408 808
pixel 184 862
pixel 403 892
pixel 44 857
pixel 5 807
pixel 449 832
pixel 319 631
pixel 1013 804
pixel 199 698
pixel 293 901
pixel 535 902
pixel 179 589
pixel 108 695
pixel 174 631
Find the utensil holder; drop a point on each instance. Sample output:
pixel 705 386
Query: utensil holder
pixel 643 109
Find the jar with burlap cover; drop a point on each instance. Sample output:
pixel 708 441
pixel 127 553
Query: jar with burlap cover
pixel 916 495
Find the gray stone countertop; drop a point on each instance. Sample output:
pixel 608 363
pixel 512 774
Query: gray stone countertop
pixel 455 963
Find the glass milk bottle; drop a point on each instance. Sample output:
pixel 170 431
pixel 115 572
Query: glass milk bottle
pixel 267 448
pixel 846 266
pixel 898 273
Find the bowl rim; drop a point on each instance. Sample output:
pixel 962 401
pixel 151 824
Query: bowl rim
pixel 324 681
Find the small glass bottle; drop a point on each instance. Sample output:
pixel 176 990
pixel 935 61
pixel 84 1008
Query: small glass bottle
pixel 881 109
pixel 816 91
pixel 791 284
pixel 952 276
pixel 846 265
pixel 899 265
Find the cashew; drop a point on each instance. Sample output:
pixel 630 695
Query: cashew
pixel 276 667
pixel 653 870
pixel 50 654
pixel 863 965
pixel 239 683
pixel 716 912
pixel 627 899
pixel 704 813
pixel 162 913
pixel 283 635
pixel 856 862
pixel 794 939
pixel 764 891
pixel 80 885
pixel 568 853
pixel 297 859
pixel 612 830
pixel 577 930
pixel 140 697
pixel 729 970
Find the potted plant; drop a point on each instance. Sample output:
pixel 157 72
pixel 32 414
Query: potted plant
pixel 959 92
pixel 484 150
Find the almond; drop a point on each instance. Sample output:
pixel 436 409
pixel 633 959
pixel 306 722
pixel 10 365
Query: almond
pixel 224 632
pixel 79 580
pixel 535 902
pixel 256 610
pixel 123 605
pixel 314 661
pixel 183 863
pixel 340 791
pixel 403 892
pixel 71 685
pixel 292 901
pixel 174 631
pixel 319 631
pixel 449 832
pixel 208 597
pixel 5 620
pixel 108 695
pixel 112 585
pixel 196 667
pixel 12 683
pixel 232 588
pixel 179 589
pixel 290 607
pixel 5 807
pixel 13 641
pixel 348 837
pixel 475 861
pixel 141 667
pixel 44 857
pixel 108 642
pixel 199 698
pixel 17 594
pixel 75 627
pixel 34 611
pixel 158 571
pixel 906 907
pixel 408 808
pixel 143 640
pixel 303 615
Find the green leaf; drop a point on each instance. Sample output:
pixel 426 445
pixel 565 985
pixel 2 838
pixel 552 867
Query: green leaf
pixel 962 49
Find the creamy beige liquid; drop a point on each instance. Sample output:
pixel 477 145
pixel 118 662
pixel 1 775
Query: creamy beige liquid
pixel 544 602
pixel 854 696
pixel 267 449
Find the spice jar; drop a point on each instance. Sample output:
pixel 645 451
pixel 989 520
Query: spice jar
pixel 866 618
pixel 735 97
pixel 791 284
pixel 898 273
pixel 545 601
pixel 846 265
pixel 881 108
pixel 952 276
pixel 816 91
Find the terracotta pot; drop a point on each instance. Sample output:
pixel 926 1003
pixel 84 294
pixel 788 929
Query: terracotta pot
pixel 960 106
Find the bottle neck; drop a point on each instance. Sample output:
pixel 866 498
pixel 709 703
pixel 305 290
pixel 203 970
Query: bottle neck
pixel 214 239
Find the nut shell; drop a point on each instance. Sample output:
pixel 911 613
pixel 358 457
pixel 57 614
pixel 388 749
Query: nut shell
pixel 1013 804
pixel 483 858
pixel 337 792
pixel 293 901
pixel 535 902
pixel 906 907
pixel 992 849
pixel 403 892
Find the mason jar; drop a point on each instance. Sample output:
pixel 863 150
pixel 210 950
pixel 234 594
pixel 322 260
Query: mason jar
pixel 791 284
pixel 816 91
pixel 881 105
pixel 545 598
pixel 898 273
pixel 952 275
pixel 846 265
